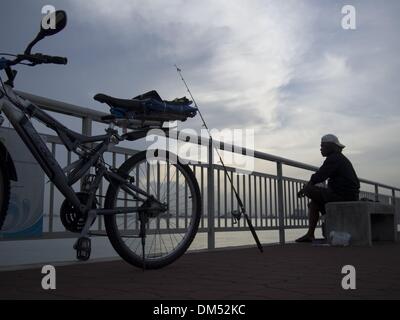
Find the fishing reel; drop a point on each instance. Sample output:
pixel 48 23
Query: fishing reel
pixel 236 214
pixel 71 217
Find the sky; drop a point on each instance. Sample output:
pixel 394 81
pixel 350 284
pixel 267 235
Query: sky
pixel 286 69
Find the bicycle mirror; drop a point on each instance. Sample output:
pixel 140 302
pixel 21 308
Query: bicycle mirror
pixel 51 24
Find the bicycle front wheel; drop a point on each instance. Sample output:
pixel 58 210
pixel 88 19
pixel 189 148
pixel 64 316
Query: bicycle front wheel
pixel 169 233
pixel 4 191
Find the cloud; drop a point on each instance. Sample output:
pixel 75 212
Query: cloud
pixel 346 83
pixel 285 68
pixel 236 54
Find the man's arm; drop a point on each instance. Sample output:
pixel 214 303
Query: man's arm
pixel 324 172
pixel 327 169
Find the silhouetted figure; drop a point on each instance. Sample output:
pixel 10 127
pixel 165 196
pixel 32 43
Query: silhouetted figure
pixel 343 184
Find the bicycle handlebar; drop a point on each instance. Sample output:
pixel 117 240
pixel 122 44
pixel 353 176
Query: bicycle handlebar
pixel 34 59
pixel 58 60
pixel 37 58
pixel 50 59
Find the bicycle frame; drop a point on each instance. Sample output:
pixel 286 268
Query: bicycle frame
pixel 79 211
pixel 17 115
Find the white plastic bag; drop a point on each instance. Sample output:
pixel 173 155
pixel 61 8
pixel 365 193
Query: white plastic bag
pixel 339 239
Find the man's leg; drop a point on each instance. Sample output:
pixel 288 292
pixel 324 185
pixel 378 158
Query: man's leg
pixel 315 194
pixel 313 211
pixel 313 216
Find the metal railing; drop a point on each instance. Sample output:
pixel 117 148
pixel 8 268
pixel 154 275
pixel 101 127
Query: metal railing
pixel 270 200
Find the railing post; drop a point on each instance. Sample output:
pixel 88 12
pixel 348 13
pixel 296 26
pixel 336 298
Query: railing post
pixel 87 126
pixel 397 215
pixel 394 198
pixel 210 196
pixel 376 192
pixel 280 203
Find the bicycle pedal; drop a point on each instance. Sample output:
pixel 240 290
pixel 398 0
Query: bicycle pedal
pixel 83 248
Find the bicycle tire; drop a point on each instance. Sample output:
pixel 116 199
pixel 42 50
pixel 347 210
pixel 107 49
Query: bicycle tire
pixel 4 191
pixel 114 233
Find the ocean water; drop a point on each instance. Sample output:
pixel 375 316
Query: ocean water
pixel 25 252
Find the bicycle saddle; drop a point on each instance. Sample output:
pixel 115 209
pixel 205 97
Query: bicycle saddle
pixel 127 104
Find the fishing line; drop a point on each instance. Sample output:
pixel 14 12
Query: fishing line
pixel 235 214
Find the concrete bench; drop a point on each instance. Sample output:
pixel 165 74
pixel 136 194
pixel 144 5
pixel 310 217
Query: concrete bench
pixel 365 221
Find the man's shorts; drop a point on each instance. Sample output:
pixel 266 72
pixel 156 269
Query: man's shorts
pixel 320 196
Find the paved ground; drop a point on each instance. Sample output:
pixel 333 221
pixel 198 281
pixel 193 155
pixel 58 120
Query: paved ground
pixel 282 272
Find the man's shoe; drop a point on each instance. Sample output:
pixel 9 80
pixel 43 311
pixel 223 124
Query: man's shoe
pixel 305 238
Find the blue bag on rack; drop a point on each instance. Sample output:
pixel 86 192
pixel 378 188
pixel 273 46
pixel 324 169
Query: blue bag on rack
pixel 152 103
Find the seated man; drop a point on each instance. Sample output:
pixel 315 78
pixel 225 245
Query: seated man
pixel 343 184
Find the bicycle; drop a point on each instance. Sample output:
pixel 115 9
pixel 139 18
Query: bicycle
pixel 152 206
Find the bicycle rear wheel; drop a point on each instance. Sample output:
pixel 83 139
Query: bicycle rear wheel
pixel 169 233
pixel 4 191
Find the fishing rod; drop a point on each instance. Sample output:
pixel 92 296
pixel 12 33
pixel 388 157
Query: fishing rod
pixel 242 211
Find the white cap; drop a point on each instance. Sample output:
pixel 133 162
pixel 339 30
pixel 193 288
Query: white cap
pixel 332 139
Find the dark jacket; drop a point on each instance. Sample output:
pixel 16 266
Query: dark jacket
pixel 343 179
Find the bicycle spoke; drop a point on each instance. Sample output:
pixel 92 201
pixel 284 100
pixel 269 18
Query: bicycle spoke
pixel 154 181
pixel 168 233
pixel 172 178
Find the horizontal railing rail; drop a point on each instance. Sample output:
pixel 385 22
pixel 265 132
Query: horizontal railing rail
pixel 270 200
